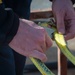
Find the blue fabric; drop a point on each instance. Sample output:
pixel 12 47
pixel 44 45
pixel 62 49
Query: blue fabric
pixel 7 64
pixel 21 7
pixel 19 63
pixel 12 63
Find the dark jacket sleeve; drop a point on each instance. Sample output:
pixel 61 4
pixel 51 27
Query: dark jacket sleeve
pixel 73 1
pixel 9 23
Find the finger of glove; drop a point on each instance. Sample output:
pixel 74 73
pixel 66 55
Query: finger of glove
pixel 38 55
pixel 60 23
pixel 48 41
pixel 69 36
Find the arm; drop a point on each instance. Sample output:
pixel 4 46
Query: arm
pixel 30 40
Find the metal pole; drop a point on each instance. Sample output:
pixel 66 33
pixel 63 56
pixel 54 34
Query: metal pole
pixel 62 63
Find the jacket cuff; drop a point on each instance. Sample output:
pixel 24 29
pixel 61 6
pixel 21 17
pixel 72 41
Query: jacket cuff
pixel 9 23
pixel 13 29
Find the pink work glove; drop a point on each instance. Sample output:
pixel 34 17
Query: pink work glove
pixel 65 17
pixel 31 40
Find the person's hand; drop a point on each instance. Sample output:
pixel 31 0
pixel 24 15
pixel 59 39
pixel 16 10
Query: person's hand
pixel 65 17
pixel 31 40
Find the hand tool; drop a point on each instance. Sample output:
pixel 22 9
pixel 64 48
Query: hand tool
pixel 61 43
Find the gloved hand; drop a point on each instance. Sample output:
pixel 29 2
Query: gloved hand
pixel 31 40
pixel 65 17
